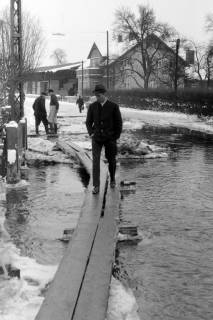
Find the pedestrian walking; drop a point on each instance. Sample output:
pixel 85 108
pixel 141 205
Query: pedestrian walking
pixel 80 103
pixel 104 125
pixel 40 112
pixel 54 106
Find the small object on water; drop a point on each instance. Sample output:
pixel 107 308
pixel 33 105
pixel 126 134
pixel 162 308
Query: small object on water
pixel 128 239
pixel 127 186
pixel 127 183
pixel 67 235
pixel 130 230
pixel 129 235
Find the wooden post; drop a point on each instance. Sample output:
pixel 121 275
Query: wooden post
pixel 107 33
pixel 13 167
pixel 23 147
pixel 82 78
pixel 23 133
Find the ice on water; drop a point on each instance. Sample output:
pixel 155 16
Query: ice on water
pixel 122 303
pixel 20 299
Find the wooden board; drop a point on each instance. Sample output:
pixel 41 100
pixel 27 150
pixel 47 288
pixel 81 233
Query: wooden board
pixel 62 296
pixel 74 150
pixel 93 300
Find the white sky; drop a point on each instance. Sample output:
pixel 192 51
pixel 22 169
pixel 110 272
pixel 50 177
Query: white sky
pixel 86 21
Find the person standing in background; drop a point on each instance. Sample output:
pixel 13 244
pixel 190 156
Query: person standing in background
pixel 40 112
pixel 54 106
pixel 80 103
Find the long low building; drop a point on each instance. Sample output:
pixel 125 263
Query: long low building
pixel 61 78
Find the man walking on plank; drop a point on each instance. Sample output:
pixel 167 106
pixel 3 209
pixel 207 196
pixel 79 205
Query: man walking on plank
pixel 104 125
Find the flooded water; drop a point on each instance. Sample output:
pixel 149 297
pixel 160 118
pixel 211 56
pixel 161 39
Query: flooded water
pixel 171 270
pixel 37 214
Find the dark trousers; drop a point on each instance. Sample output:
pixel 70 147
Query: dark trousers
pixel 38 120
pixel 110 154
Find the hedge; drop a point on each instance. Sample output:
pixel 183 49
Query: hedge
pixel 190 100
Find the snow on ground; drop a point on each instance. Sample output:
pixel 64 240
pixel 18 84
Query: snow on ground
pixel 165 119
pixel 122 303
pixel 133 119
pixel 72 126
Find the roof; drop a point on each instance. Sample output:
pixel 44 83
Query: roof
pixel 136 45
pixel 94 47
pixel 64 66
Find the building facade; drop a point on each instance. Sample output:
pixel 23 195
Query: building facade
pixel 126 72
pixel 62 79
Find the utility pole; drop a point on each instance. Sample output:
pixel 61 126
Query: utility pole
pixel 16 95
pixel 176 64
pixel 107 34
pixel 82 78
pixel 3 58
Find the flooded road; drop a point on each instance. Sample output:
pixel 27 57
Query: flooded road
pixel 37 215
pixel 171 270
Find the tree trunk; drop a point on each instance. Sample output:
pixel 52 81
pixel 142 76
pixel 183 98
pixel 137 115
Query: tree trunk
pixel 146 83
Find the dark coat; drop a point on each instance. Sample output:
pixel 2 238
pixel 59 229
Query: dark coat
pixel 39 107
pixel 105 121
pixel 54 101
pixel 80 102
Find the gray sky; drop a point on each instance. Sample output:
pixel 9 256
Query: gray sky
pixel 86 21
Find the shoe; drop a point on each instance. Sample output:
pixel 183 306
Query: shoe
pixel 112 184
pixel 95 190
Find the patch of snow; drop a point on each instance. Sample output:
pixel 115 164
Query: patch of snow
pixel 11 156
pixel 155 155
pixel 12 124
pixel 122 303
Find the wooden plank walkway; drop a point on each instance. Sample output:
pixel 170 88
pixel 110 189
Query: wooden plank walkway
pixel 74 151
pixel 93 299
pixel 81 284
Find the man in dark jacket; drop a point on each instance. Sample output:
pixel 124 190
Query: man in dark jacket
pixel 40 112
pixel 80 103
pixel 104 125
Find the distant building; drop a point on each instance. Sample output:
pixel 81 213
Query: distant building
pixel 120 73
pixel 70 78
pixel 61 78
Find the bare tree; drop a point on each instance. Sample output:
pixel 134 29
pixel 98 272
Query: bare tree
pixel 148 36
pixel 203 64
pixel 32 45
pixel 209 22
pixel 59 56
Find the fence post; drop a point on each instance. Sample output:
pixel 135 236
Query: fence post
pixel 12 139
pixel 23 128
pixel 23 138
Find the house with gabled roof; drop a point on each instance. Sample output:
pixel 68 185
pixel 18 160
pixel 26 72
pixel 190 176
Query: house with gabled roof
pixel 125 71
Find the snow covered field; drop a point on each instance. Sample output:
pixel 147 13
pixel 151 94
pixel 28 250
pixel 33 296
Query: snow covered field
pixel 132 118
